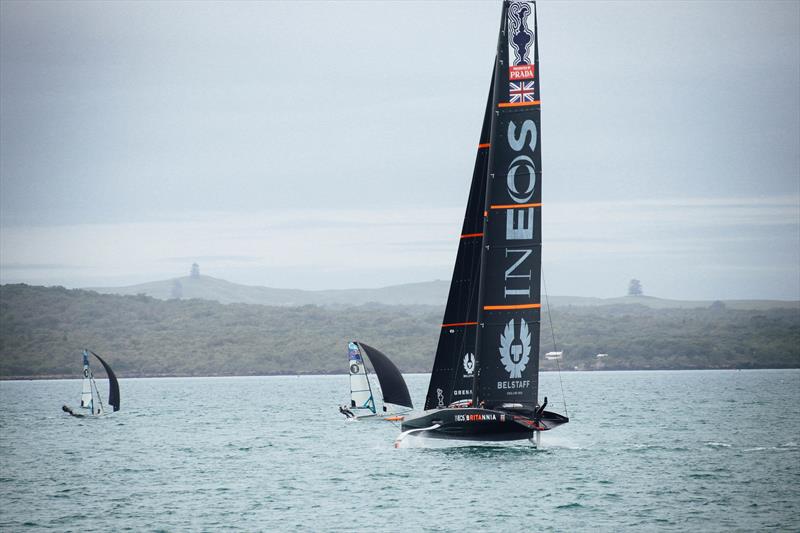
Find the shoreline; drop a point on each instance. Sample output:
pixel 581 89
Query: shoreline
pixel 54 377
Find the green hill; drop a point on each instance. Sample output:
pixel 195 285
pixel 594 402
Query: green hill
pixel 42 331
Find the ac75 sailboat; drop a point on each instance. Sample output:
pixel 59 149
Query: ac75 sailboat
pixel 485 379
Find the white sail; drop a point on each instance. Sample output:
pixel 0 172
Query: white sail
pixel 86 393
pixel 362 402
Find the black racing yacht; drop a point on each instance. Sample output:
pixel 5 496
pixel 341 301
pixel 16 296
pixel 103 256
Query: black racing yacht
pixel 485 380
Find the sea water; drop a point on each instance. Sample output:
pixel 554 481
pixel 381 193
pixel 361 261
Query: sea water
pixel 683 450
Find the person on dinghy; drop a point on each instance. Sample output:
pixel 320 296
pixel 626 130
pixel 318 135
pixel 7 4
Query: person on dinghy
pixel 346 412
pixel 66 409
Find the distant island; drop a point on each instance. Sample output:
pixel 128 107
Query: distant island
pixel 43 329
pixel 425 293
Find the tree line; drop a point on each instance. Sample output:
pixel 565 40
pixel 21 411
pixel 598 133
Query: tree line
pixel 43 330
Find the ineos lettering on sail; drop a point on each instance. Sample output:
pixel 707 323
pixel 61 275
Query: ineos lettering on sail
pixel 520 185
pixel 517 271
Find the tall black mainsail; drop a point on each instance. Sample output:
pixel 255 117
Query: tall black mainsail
pixel 509 295
pixel 454 365
pixel 484 383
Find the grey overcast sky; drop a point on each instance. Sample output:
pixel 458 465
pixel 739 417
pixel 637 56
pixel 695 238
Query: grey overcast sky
pixel 330 144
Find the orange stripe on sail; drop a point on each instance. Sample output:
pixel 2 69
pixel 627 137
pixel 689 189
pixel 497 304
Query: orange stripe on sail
pixel 468 235
pixel 518 104
pixel 485 145
pixel 505 307
pixel 459 324
pixel 513 206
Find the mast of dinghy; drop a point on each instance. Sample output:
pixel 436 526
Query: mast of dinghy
pixel 374 408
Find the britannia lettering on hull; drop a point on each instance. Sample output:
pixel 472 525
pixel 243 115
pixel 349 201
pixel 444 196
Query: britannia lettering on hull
pixel 485 379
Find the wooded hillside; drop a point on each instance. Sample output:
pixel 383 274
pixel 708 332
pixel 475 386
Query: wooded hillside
pixel 42 331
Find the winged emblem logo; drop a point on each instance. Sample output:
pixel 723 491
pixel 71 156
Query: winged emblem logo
pixel 515 353
pixel 469 363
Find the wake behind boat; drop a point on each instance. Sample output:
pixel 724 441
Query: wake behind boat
pixel 485 379
pixel 393 398
pixel 91 401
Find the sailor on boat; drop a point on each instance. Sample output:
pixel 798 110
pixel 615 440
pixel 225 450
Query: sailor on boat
pixel 69 410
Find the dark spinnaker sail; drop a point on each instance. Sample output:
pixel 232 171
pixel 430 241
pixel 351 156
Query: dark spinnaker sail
pixel 392 383
pixel 454 365
pixel 113 384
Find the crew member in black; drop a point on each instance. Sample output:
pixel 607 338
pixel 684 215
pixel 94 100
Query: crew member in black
pixel 70 411
pixel 541 409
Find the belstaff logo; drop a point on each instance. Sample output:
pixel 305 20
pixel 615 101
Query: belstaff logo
pixel 515 353
pixel 354 368
pixel 469 363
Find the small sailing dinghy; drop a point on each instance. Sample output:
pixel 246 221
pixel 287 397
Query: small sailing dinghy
pixel 91 401
pixel 393 398
pixel 485 379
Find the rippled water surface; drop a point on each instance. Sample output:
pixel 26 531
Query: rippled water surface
pixel 713 450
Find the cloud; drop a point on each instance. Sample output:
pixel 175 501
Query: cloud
pixel 40 266
pixel 213 259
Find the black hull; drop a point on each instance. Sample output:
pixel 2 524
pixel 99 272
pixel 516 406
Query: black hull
pixel 482 424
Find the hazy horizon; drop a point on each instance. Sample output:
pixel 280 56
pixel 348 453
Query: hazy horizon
pixel 623 290
pixel 316 145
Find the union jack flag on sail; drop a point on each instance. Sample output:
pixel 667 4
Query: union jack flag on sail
pixel 521 91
